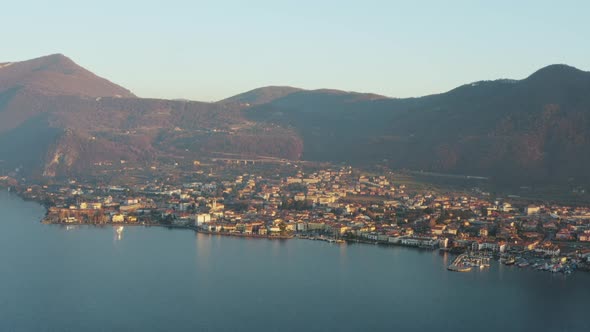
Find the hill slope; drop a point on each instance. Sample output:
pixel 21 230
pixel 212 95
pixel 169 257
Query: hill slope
pixel 57 118
pixel 536 129
pixel 56 75
pixel 25 85
pixel 66 119
pixel 260 96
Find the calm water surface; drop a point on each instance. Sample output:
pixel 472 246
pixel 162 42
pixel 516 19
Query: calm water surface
pixel 84 278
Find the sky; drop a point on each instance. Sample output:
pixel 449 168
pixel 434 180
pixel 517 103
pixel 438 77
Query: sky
pixel 210 50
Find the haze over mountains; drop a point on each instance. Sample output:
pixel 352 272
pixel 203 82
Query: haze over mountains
pixel 57 118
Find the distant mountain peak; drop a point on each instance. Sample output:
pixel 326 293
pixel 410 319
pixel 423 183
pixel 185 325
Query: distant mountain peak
pixel 557 71
pixel 56 74
pixel 56 62
pixel 261 95
pixel 54 57
pixel 356 95
pixel 270 94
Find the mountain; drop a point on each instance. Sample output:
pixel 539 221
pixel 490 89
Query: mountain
pixel 24 86
pixel 260 96
pixel 28 90
pixel 66 120
pixel 56 75
pixel 536 129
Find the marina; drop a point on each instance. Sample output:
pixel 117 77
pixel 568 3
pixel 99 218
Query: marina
pixel 466 262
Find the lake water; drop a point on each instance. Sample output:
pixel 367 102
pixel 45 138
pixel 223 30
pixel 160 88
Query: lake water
pixel 85 278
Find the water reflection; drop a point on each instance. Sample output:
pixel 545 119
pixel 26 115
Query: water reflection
pixel 203 245
pixel 343 254
pixel 119 233
pixel 445 258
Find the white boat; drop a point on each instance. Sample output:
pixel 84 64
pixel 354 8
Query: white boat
pixel 119 230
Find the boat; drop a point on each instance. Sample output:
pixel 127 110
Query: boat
pixel 119 230
pixel 508 261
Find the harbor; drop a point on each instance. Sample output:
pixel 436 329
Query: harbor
pixel 466 262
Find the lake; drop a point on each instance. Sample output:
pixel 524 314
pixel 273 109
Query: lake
pixel 87 278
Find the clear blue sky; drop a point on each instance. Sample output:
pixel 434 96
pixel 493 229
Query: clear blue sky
pixel 208 50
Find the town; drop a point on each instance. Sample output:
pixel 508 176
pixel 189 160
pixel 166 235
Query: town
pixel 277 199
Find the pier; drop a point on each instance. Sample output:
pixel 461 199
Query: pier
pixel 465 262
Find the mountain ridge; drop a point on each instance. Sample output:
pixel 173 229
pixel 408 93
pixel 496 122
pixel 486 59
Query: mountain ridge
pixel 260 95
pixel 534 129
pixel 57 74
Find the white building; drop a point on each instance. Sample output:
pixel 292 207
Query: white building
pixel 532 209
pixel 202 218
pixel 419 241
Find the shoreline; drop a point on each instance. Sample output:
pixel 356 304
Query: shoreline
pixel 347 241
pixel 195 229
pixel 241 235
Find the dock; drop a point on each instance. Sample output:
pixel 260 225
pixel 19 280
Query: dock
pixel 465 262
pixel 458 265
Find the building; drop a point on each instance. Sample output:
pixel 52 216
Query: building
pixel 483 232
pixel 202 218
pixel 584 237
pixel 419 241
pixel 439 229
pixel 532 209
pixel 299 197
pixel 301 227
pixel 486 245
pixel 116 218
pixel 564 235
